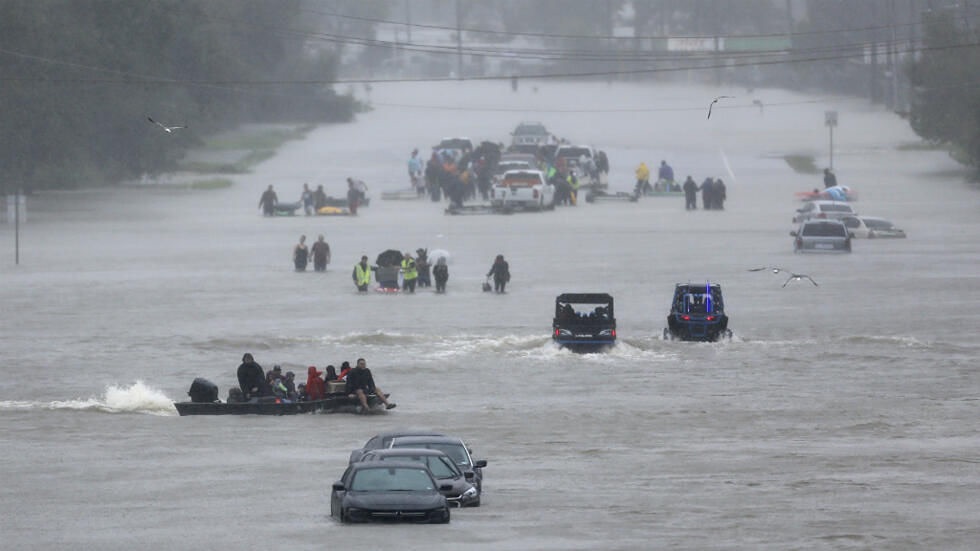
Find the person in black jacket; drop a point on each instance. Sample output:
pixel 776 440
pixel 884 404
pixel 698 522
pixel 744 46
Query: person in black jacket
pixel 251 378
pixel 500 272
pixel 441 273
pixel 360 383
pixel 690 194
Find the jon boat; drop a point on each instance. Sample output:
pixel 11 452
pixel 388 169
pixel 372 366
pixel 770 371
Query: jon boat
pixel 340 403
pixel 204 401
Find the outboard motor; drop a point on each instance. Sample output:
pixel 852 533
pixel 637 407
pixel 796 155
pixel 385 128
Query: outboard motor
pixel 203 391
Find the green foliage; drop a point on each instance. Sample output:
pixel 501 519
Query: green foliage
pixel 946 106
pixel 78 79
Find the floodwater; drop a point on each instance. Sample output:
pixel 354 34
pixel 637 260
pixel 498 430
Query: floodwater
pixel 842 416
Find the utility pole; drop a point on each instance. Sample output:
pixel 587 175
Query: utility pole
pixel 459 43
pixel 408 21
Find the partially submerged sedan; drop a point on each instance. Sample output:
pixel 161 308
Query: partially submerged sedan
pixel 871 227
pixel 443 468
pixel 389 491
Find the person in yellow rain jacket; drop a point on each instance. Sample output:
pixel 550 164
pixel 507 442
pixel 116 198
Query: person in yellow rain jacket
pixel 362 275
pixel 642 179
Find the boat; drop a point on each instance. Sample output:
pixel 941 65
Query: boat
pixel 592 196
pixel 337 403
pixel 204 401
pixel 466 210
pixel 409 194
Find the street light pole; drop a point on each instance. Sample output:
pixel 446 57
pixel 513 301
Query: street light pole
pixel 830 121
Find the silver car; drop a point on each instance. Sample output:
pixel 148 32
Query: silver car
pixel 815 236
pixel 823 210
pixel 871 227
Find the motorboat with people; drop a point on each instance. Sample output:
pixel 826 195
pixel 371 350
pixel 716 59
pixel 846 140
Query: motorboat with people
pixel 697 313
pixel 584 322
pixel 204 401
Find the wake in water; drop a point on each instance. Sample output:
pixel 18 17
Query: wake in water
pixel 137 398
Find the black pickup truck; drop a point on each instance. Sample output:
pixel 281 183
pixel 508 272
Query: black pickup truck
pixel 584 321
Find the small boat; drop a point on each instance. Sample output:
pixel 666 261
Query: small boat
pixel 204 401
pixel 478 209
pixel 339 403
pixel 593 196
pixel 402 195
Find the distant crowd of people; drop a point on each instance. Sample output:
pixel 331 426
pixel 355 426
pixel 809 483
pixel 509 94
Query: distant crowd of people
pixel 358 382
pixel 713 194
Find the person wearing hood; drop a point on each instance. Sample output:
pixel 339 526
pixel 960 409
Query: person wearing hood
pixel 441 273
pixel 422 264
pixel 410 273
pixel 315 389
pixel 251 378
pixel 719 192
pixel 500 270
pixel 707 194
pixel 642 179
pixel 321 254
pixel 690 194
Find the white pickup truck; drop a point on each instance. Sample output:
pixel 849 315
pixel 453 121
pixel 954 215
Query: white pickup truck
pixel 523 189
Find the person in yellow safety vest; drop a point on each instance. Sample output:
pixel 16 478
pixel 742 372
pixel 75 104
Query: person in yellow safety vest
pixel 362 275
pixel 410 273
pixel 573 183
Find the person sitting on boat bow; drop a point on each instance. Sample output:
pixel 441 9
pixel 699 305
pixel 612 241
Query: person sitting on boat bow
pixel 360 383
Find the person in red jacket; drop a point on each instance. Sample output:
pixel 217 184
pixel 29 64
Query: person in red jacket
pixel 315 389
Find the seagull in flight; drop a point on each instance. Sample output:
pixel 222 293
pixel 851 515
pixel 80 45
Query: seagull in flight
pixel 792 276
pixel 167 129
pixel 712 104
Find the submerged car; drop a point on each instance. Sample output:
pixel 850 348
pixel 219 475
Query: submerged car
pixel 382 440
pixel 871 227
pixel 454 447
pixel 462 493
pixel 584 321
pixel 697 313
pixel 823 210
pixel 821 236
pixel 389 491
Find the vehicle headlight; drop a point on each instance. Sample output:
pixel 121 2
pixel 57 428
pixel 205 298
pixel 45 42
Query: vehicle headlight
pixel 470 492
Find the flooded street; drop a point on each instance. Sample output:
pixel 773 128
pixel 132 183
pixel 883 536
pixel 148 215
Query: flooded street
pixel 840 416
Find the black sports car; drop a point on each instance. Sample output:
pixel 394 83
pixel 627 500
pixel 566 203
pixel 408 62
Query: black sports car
pixel 389 491
pixel 697 313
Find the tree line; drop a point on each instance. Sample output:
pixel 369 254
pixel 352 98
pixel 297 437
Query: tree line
pixel 81 77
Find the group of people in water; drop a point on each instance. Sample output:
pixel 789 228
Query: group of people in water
pixel 713 192
pixel 312 201
pixel 357 382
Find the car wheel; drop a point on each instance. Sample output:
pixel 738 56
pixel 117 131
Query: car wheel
pixel 343 516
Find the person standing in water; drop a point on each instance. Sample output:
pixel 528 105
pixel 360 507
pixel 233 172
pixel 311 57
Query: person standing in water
pixel 362 275
pixel 321 254
pixel 301 255
pixel 441 273
pixel 500 270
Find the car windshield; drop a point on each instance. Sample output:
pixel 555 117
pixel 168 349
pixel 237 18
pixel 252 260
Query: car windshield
pixel 455 451
pixel 391 479
pixel 440 466
pixel 877 224
pixel 532 129
pixel 824 230
pixel 575 152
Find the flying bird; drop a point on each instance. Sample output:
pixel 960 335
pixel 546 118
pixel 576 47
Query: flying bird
pixel 799 277
pixel 167 129
pixel 712 104
pixel 792 276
